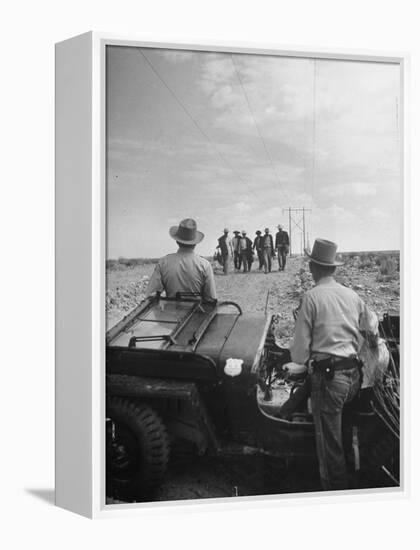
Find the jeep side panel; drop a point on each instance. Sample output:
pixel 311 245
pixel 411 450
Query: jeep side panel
pixel 244 342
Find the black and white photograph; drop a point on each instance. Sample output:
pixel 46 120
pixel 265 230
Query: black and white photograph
pixel 253 236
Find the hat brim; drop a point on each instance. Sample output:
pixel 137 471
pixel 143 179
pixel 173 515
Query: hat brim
pixel 173 233
pixel 326 264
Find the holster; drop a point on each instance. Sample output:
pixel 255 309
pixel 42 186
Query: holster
pixel 329 366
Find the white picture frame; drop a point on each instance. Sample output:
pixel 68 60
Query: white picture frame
pixel 80 267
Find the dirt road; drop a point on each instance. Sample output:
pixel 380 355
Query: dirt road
pixel 252 289
pixel 126 288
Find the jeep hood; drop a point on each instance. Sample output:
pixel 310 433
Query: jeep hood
pixel 234 336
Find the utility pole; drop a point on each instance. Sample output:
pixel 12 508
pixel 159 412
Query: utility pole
pixel 300 224
pixel 303 229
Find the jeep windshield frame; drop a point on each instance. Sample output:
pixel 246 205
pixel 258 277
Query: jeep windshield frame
pixel 157 321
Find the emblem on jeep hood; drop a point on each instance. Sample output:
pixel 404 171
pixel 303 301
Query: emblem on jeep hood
pixel 233 367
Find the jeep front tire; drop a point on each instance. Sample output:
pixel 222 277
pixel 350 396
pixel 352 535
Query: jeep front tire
pixel 137 450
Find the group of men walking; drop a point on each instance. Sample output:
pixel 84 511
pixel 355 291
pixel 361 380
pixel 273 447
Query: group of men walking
pixel 241 248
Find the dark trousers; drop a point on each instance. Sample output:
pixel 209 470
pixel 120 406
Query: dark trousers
pixel 328 398
pixel 245 260
pixel 250 259
pixel 260 258
pixel 281 256
pixel 237 259
pixel 225 263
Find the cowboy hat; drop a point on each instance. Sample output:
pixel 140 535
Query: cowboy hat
pixel 323 253
pixel 186 232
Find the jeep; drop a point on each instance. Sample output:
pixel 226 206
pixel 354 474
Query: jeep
pixel 188 370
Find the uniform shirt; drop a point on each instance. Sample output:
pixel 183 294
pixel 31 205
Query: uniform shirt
pixel 329 322
pixel 184 271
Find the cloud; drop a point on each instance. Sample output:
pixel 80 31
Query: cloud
pixel 354 105
pixel 333 216
pixel 376 214
pixel 178 56
pixel 269 89
pixel 242 207
pixel 224 97
pixel 355 189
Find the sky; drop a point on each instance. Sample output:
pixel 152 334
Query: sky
pixel 233 140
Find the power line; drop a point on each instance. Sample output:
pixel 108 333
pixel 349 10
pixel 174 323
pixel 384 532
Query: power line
pixel 185 110
pixel 313 131
pixel 270 158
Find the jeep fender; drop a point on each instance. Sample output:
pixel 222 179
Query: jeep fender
pixel 201 431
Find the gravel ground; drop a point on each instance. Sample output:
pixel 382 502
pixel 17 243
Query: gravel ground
pixel 279 292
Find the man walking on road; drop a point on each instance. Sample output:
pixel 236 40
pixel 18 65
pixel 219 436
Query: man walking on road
pixel 268 250
pixel 257 246
pixel 235 248
pixel 327 338
pixel 184 271
pixel 224 247
pixel 245 248
pixel 282 246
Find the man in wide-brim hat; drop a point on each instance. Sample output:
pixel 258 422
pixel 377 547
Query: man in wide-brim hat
pixel 257 246
pixel 184 271
pixel 327 338
pixel 282 244
pixel 245 250
pixel 236 239
pixel 324 253
pixel 224 245
pixel 267 246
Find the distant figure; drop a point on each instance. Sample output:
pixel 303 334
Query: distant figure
pixel 245 248
pixel 282 246
pixel 257 246
pixel 184 271
pixel 268 250
pixel 235 249
pixel 327 338
pixel 224 247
